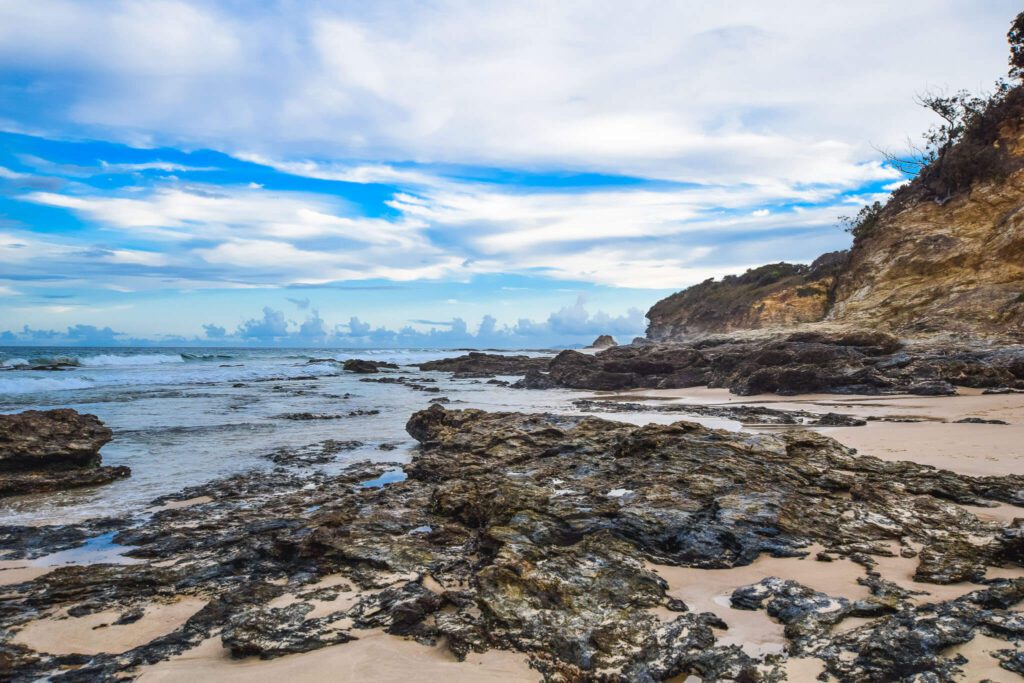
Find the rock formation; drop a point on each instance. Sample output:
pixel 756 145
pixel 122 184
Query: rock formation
pixel 534 533
pixel 803 362
pixel 366 367
pixel 52 450
pixel 477 364
pixel 604 341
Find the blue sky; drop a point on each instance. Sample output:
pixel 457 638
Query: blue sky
pixel 326 173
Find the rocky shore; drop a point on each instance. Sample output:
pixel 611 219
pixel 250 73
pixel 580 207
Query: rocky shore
pixel 841 362
pixel 556 537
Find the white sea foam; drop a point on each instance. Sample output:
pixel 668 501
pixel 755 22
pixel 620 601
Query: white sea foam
pixel 114 360
pixel 31 385
pixel 14 362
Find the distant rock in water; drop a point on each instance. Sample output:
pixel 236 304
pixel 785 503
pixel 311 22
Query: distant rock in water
pixel 366 367
pixel 477 364
pixel 603 342
pixel 50 450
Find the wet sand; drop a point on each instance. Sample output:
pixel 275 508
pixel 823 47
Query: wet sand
pixel 973 449
pixel 376 656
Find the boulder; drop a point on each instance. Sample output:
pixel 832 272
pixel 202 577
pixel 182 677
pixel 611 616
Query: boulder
pixel 53 450
pixel 605 341
pixel 51 439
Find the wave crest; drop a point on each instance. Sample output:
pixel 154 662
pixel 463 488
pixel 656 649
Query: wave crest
pixel 112 359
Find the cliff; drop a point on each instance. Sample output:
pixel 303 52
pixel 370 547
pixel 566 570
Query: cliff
pixel 775 295
pixel 955 267
pixel 945 255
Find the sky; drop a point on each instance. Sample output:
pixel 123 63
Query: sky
pixel 440 173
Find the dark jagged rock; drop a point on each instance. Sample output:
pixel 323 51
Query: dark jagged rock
pixel 741 413
pixel 367 367
pixel 316 453
pixel 477 364
pixel 535 379
pixel 269 632
pixel 604 341
pixel 845 363
pixel 53 450
pixel 838 420
pixel 302 417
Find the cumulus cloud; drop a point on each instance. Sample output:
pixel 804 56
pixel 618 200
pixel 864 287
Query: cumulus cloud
pixel 576 320
pixel 214 331
pixel 570 325
pixel 270 327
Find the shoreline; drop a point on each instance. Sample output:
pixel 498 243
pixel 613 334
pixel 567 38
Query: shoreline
pixel 973 449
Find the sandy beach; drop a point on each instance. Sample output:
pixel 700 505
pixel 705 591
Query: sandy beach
pixel 936 439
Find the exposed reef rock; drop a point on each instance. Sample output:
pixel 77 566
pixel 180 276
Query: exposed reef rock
pixel 743 414
pixel 52 450
pixel 848 362
pixel 535 533
pixel 477 364
pixel 361 366
pixel 774 295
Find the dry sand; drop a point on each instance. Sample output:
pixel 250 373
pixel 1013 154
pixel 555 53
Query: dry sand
pixel 95 633
pixel 19 571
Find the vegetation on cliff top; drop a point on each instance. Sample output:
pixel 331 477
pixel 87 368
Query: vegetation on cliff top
pixel 963 149
pixel 710 303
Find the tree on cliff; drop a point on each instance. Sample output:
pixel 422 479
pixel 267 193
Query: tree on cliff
pixel 964 147
pixel 1016 38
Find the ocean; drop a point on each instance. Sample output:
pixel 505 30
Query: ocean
pixel 184 416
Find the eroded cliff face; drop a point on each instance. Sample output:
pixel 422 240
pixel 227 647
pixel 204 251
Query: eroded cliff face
pixel 775 295
pixel 954 268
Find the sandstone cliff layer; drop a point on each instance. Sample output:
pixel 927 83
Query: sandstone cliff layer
pixel 774 295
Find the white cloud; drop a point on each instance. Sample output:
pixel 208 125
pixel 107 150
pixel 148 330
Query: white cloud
pixel 185 213
pixel 737 92
pixel 165 166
